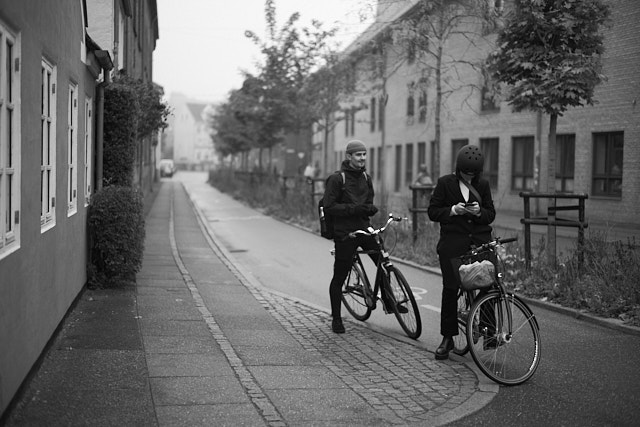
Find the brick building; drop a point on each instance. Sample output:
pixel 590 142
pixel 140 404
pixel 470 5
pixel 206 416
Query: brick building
pixel 598 148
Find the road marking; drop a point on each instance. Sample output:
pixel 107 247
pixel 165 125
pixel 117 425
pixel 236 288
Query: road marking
pixel 430 307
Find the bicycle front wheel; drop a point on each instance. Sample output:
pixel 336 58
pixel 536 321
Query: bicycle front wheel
pixel 355 292
pixel 405 307
pixel 507 338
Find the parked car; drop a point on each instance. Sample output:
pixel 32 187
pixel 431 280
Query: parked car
pixel 167 168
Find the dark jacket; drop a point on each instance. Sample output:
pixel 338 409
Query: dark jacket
pixel 340 200
pixel 459 232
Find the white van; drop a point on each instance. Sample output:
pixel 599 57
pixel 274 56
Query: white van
pixel 166 168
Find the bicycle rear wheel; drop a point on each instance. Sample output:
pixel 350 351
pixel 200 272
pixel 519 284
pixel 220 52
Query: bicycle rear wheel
pixel 355 292
pixel 403 297
pixel 460 345
pixel 507 355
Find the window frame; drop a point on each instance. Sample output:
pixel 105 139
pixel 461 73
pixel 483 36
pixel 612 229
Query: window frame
pixel 422 107
pixel 527 169
pixel 408 163
pixel 490 148
pixel 88 149
pixel 372 115
pixel 565 180
pixel 72 150
pixel 611 178
pixel 398 169
pixel 10 142
pixel 48 146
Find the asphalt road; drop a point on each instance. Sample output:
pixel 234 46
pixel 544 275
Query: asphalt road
pixel 589 375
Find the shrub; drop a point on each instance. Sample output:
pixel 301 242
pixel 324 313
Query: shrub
pixel 116 227
pixel 120 124
pixel 605 282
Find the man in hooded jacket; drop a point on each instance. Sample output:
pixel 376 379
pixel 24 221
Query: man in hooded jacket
pixel 351 204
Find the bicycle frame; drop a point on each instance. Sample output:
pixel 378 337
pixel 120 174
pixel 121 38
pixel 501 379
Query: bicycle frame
pixel 510 350
pixel 499 288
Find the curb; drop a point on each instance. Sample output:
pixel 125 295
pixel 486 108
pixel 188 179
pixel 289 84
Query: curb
pixel 614 324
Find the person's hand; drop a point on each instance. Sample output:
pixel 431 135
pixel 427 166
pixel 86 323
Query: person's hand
pixel 473 208
pixel 371 210
pixel 459 209
pixel 365 210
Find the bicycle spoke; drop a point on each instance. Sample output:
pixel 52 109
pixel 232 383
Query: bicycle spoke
pixel 404 303
pixel 507 358
pixel 353 293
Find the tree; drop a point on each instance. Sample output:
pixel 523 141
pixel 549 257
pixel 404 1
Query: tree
pixel 549 57
pixel 321 96
pixel 424 35
pixel 291 54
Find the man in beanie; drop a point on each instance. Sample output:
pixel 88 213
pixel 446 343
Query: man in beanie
pixel 350 202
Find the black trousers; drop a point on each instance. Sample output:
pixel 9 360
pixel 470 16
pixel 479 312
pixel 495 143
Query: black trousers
pixel 345 250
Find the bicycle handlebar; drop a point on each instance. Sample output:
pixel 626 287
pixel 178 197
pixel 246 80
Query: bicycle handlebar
pixel 492 244
pixel 372 231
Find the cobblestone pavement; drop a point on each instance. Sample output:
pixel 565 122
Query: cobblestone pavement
pixel 400 381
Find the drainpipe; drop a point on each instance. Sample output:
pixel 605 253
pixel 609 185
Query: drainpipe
pixel 105 62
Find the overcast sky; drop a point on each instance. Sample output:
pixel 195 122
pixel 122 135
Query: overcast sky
pixel 202 46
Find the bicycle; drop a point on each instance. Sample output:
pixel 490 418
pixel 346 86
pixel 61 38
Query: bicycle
pixel 497 327
pixel 360 298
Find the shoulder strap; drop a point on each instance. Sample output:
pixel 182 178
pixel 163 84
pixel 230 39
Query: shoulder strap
pixel 472 190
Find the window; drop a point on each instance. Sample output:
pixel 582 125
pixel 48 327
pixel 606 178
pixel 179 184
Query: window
pixel 408 165
pixel 398 168
pixel 379 163
pixel 410 109
pixel 372 161
pixel 607 163
pixel 372 118
pixel 522 163
pixel 88 149
pixel 422 107
pixel 487 103
pixel 347 115
pixel 353 121
pixel 434 158
pixel 489 147
pixel 48 147
pixel 9 143
pixel 72 150
pixel 422 153
pixel 349 121
pixel 411 53
pixel 565 161
pixel 381 107
pixel 456 145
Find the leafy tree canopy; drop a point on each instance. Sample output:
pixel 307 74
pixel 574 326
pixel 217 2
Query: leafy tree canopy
pixel 549 54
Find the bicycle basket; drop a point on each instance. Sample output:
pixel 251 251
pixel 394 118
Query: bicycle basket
pixel 475 271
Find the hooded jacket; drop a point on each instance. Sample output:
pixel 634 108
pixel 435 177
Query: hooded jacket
pixel 340 200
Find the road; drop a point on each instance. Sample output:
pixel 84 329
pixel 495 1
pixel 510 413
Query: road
pixel 589 374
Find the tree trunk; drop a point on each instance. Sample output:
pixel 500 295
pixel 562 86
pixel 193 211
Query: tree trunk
pixel 436 151
pixel 551 188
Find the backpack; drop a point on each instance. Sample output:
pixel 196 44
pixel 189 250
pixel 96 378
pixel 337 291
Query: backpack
pixel 326 220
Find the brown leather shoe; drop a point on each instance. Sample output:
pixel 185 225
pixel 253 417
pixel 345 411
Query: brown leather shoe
pixel 442 352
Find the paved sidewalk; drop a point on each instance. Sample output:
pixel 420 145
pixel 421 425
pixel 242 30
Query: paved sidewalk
pixel 195 343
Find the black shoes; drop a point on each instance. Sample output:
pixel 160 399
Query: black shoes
pixel 337 326
pixel 446 346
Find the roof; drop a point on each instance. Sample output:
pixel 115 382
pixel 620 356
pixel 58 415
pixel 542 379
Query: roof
pixel 196 110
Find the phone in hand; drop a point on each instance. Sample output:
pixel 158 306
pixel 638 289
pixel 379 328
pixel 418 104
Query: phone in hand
pixel 467 204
